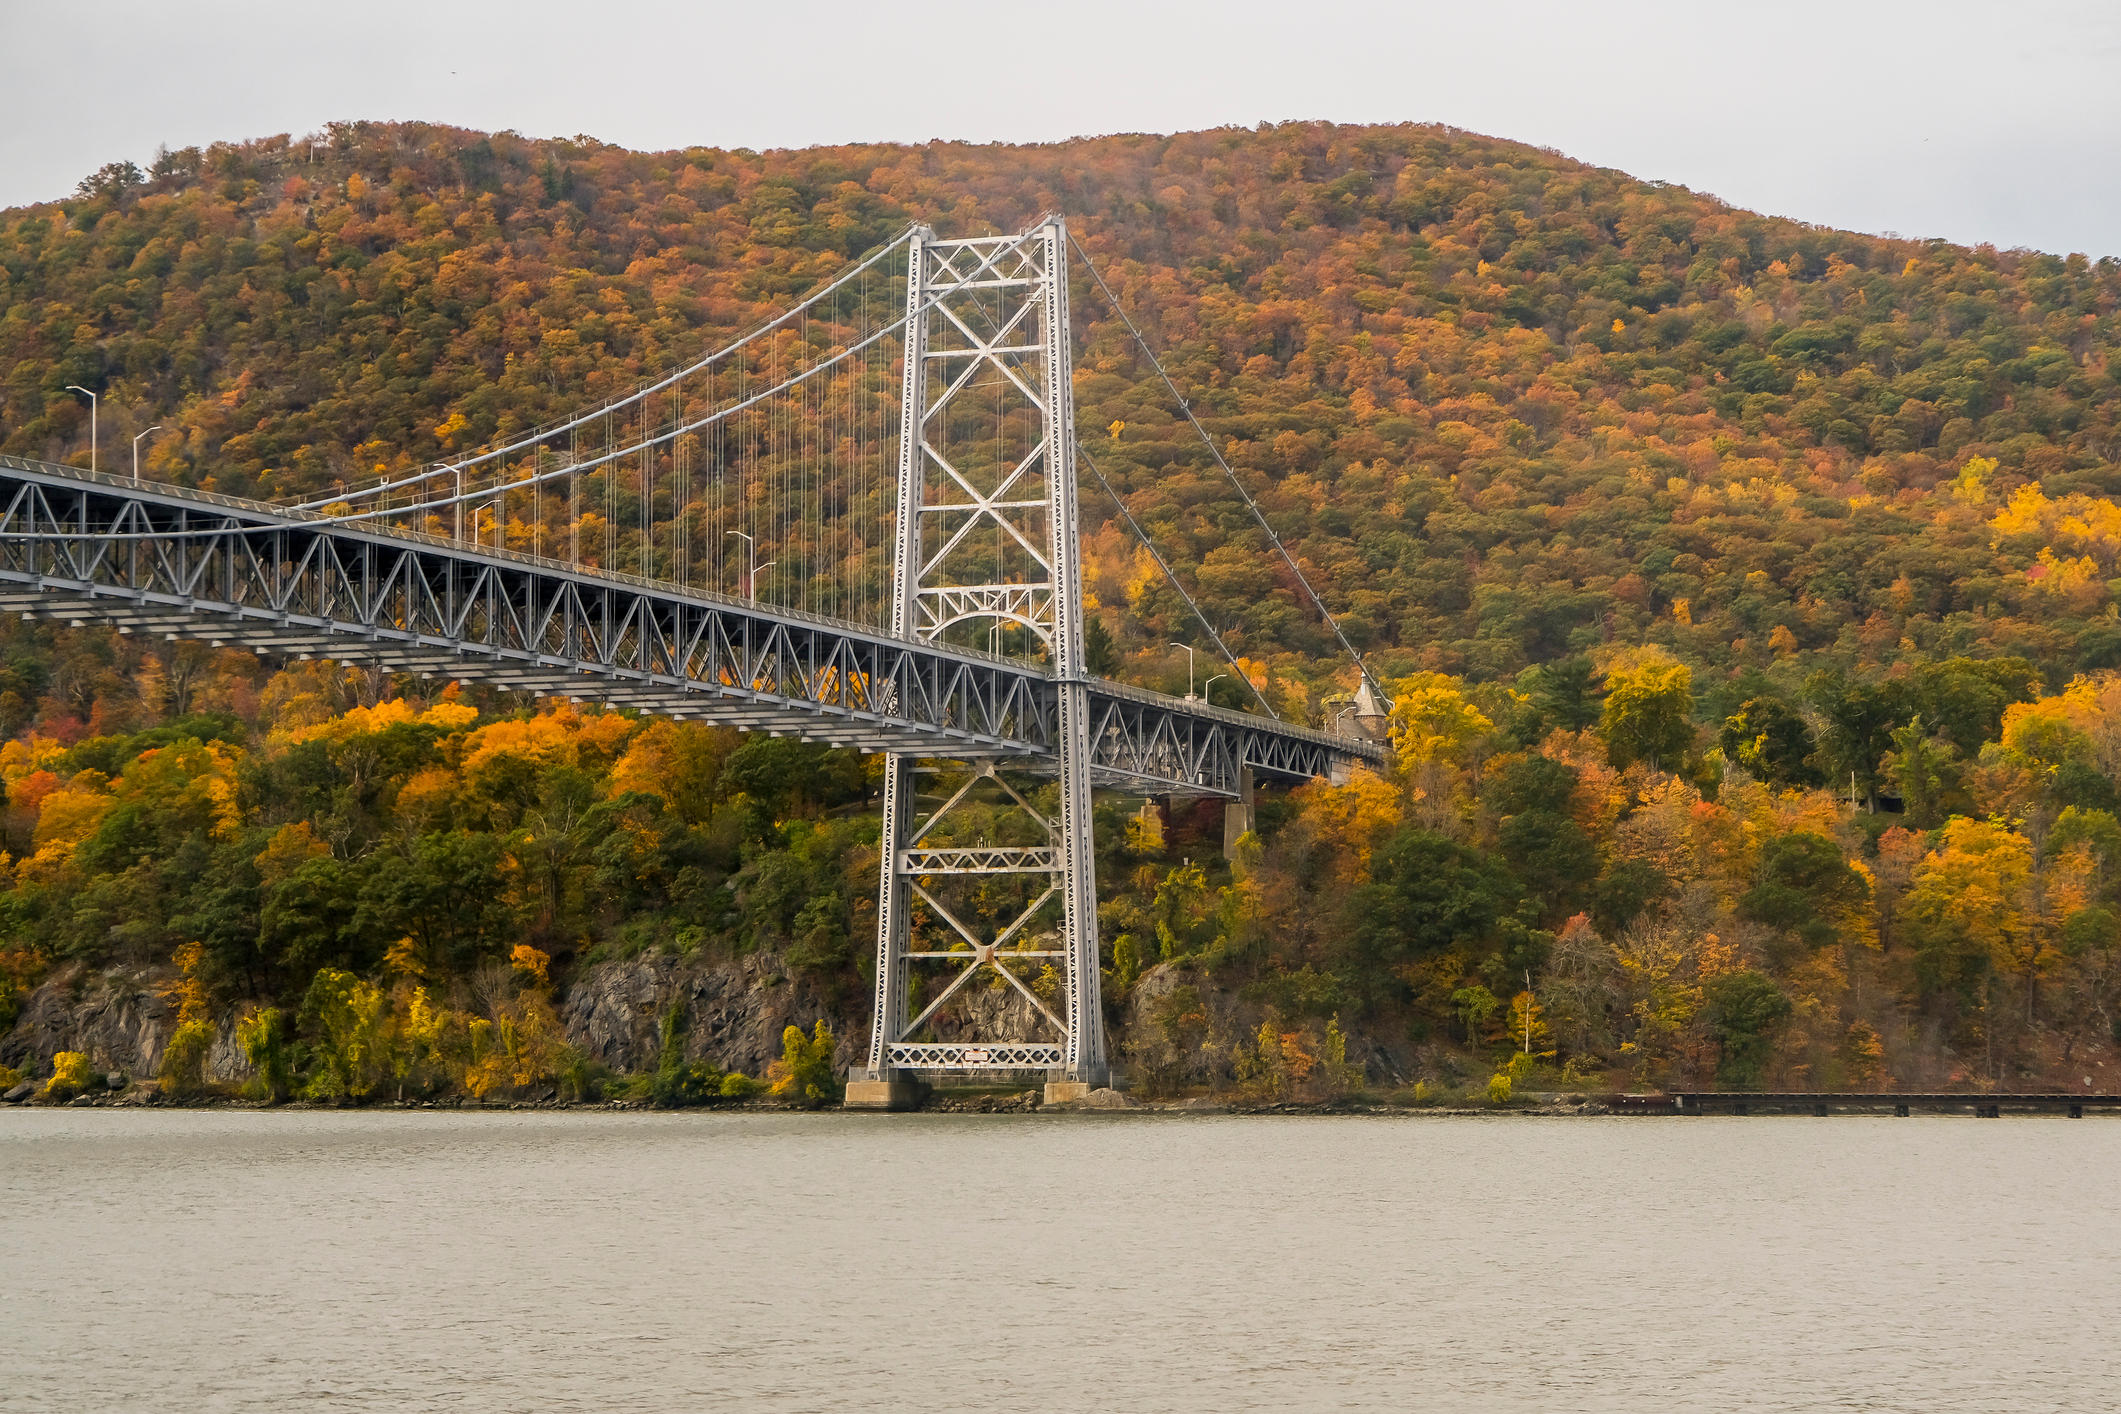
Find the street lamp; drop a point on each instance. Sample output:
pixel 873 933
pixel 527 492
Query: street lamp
pixel 136 452
pixel 1189 668
pixel 751 556
pixel 1204 687
pixel 753 586
pixel 77 388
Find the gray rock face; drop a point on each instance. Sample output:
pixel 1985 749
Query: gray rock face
pixel 734 1010
pixel 17 1094
pixel 118 1019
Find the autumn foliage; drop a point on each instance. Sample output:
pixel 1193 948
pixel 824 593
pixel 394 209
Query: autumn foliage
pixel 1746 592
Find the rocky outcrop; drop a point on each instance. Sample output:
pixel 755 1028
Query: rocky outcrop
pixel 734 1010
pixel 120 1020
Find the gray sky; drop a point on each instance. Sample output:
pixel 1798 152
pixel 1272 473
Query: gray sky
pixel 1986 121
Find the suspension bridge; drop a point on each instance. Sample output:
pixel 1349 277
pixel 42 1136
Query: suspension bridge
pixel 901 448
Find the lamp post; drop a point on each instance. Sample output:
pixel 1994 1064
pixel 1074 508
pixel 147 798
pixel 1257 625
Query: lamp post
pixel 92 400
pixel 136 452
pixel 751 555
pixel 1204 687
pixel 1189 667
pixel 752 586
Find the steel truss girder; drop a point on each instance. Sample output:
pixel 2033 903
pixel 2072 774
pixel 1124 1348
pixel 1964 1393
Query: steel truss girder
pixel 105 551
pixel 155 559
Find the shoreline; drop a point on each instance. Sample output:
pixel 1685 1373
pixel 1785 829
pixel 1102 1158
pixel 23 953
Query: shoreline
pixel 1028 1102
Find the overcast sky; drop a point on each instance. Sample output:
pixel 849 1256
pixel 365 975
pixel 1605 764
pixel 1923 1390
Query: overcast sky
pixel 1995 121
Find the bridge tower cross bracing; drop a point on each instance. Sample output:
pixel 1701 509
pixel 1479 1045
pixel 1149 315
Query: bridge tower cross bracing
pixel 989 540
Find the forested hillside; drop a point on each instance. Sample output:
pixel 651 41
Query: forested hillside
pixel 1748 589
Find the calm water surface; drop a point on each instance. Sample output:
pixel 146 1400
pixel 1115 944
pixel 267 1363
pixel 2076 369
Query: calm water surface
pixel 621 1262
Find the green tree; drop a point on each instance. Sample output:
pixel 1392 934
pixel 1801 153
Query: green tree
pixel 1100 653
pixel 262 1035
pixel 1428 894
pixel 1768 738
pixel 444 890
pixel 1622 893
pixel 346 1017
pixel 1744 1011
pixel 1804 886
pixel 1925 771
pixel 1859 721
pixel 1964 698
pixel 1533 783
pixel 1184 912
pixel 793 778
pixel 2098 832
pixel 676 1081
pixel 1648 714
pixel 183 1069
pixel 1552 857
pixel 1476 1007
pixel 1562 692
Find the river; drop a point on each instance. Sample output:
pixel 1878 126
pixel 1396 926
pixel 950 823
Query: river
pixel 421 1260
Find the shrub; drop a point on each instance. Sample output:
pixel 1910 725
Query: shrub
pixel 347 1016
pixel 581 1078
pixel 184 1060
pixel 70 1076
pixel 804 1071
pixel 262 1035
pixel 1499 1088
pixel 738 1086
pixel 1340 1076
pixel 676 1083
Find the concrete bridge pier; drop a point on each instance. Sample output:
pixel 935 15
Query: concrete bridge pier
pixel 1239 817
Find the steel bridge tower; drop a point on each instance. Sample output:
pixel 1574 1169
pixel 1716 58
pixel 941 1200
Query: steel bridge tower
pixel 987 554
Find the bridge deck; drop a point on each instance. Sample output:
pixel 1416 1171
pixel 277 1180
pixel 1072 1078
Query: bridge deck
pixel 150 558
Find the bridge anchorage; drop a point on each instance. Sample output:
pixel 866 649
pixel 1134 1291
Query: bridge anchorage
pixel 976 687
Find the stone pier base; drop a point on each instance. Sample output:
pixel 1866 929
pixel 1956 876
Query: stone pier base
pixel 897 1093
pixel 1061 1092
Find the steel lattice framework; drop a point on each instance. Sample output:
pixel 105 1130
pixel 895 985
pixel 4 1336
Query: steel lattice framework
pixel 157 559
pixel 986 544
pixel 987 537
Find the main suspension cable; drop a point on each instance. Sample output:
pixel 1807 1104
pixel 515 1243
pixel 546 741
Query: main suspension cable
pixel 1213 451
pixel 614 454
pixel 669 380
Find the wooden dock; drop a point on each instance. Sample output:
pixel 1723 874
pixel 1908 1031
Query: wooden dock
pixel 1827 1102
